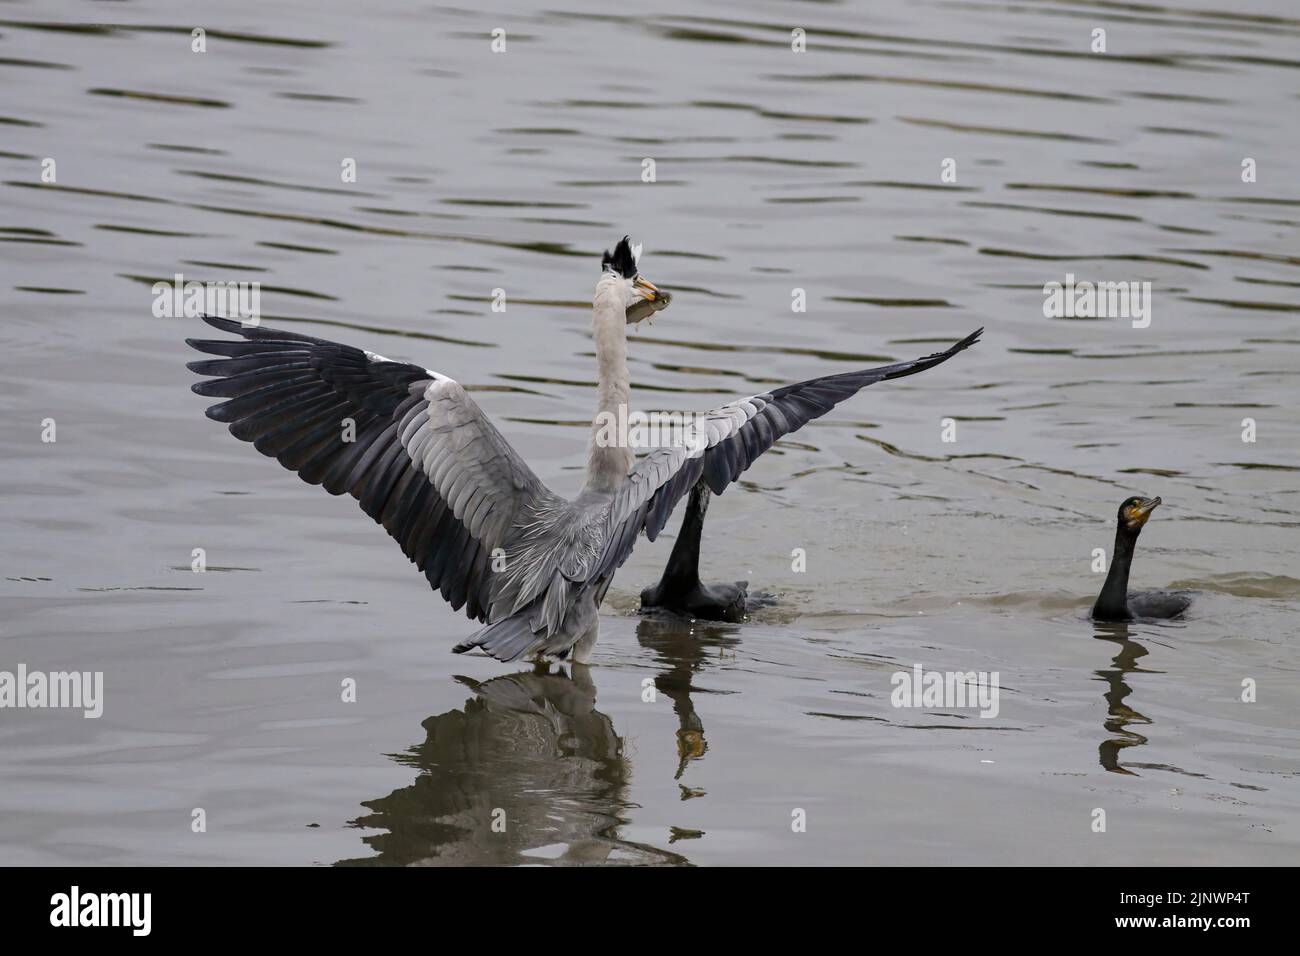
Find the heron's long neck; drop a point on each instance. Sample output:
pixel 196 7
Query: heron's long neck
pixel 608 457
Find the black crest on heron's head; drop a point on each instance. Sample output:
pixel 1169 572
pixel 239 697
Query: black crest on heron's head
pixel 621 260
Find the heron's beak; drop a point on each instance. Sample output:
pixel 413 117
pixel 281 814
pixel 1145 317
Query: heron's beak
pixel 646 287
pixel 1141 511
pixel 650 299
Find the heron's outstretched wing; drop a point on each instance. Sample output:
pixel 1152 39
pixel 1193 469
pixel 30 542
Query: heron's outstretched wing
pixel 409 444
pixel 732 436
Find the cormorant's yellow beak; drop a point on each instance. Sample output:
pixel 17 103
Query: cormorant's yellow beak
pixel 1140 512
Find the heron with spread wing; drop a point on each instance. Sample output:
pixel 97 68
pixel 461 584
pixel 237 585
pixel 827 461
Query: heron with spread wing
pixel 426 463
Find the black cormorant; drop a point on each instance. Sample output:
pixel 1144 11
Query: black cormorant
pixel 680 588
pixel 1116 602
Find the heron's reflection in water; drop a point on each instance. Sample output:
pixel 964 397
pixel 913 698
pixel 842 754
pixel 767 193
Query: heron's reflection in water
pixel 682 649
pixel 1119 715
pixel 529 771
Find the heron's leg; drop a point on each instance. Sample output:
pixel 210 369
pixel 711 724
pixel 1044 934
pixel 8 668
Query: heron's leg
pixel 679 589
pixel 582 648
pixel 584 620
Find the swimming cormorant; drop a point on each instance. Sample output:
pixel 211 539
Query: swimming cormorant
pixel 1116 603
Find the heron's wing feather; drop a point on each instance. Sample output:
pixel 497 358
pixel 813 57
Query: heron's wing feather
pixel 728 440
pixel 409 444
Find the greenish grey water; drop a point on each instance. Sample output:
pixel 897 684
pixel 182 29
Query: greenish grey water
pixel 775 170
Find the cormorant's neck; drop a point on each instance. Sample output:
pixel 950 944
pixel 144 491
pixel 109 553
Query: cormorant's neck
pixel 1112 603
pixel 608 456
pixel 682 573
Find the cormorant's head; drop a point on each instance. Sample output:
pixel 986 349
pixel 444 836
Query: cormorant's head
pixel 641 297
pixel 1135 511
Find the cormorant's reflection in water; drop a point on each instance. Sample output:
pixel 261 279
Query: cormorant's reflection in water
pixel 682 648
pixel 531 746
pixel 1118 714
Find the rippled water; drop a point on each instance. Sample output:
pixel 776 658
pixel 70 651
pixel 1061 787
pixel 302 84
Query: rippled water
pixel 775 170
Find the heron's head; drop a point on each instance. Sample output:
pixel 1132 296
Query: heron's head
pixel 1135 511
pixel 641 298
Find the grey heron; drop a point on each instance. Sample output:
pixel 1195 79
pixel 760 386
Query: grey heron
pixel 427 464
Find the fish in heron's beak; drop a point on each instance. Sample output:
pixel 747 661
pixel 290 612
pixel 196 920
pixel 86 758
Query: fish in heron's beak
pixel 649 299
pixel 1137 513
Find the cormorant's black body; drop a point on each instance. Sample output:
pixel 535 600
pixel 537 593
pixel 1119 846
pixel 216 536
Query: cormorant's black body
pixel 1158 604
pixel 680 589
pixel 1116 603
